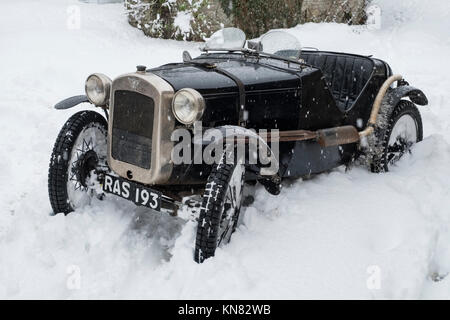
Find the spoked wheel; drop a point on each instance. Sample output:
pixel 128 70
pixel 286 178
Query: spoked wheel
pixel 221 206
pixel 403 136
pixel 78 157
pixel 403 130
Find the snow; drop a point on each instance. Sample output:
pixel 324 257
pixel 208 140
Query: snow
pixel 183 21
pixel 325 237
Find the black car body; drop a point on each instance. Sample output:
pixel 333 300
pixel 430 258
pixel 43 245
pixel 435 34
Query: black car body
pixel 330 90
pixel 324 104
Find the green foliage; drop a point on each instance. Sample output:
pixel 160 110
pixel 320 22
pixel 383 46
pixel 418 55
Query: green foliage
pixel 172 19
pixel 256 17
pixel 196 20
pixel 154 17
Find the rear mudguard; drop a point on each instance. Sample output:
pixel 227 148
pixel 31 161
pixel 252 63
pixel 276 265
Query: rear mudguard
pixel 71 102
pixel 395 95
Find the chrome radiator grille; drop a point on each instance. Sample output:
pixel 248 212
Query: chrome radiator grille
pixel 132 129
pixel 140 125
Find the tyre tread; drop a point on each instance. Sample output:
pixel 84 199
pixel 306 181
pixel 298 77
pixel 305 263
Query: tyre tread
pixel 58 167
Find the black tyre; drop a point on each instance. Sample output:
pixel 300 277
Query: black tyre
pixel 221 206
pixel 80 150
pixel 401 128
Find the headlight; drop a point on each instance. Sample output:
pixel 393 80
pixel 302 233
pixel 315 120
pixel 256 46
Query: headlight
pixel 188 106
pixel 98 87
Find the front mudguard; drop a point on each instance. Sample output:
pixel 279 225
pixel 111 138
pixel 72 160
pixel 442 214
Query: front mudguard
pixel 394 96
pixel 241 132
pixel 71 102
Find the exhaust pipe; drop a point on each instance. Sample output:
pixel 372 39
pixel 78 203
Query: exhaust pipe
pixel 377 104
pixel 337 136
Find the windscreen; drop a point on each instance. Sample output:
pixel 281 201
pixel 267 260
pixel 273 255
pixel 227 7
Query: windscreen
pixel 282 44
pixel 227 38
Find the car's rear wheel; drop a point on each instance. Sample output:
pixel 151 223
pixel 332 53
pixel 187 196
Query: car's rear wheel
pixel 402 130
pixel 79 154
pixel 221 206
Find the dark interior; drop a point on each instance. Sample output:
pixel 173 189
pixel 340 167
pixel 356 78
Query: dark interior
pixel 345 74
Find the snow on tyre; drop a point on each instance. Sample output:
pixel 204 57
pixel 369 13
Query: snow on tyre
pixel 221 206
pixel 80 151
pixel 398 134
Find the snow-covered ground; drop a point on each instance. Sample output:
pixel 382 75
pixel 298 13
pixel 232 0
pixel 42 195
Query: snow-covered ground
pixel 327 237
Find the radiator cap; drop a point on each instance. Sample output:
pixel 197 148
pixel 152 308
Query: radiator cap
pixel 141 68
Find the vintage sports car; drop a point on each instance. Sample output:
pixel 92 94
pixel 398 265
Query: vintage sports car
pixel 310 111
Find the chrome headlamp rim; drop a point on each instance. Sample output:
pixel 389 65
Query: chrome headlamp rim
pixel 102 89
pixel 198 103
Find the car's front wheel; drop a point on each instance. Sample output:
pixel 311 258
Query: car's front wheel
pixel 220 209
pixel 78 156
